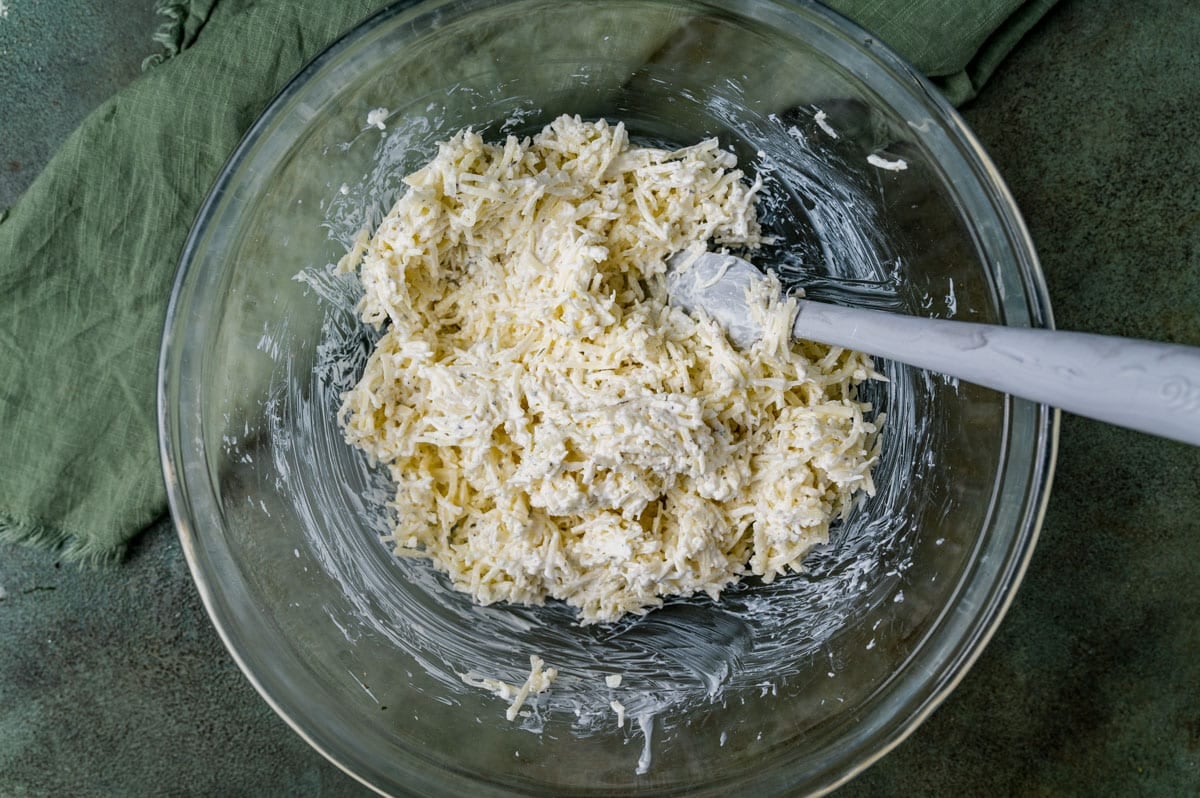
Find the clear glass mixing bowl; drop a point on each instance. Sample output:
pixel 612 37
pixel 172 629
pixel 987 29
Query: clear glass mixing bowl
pixel 785 688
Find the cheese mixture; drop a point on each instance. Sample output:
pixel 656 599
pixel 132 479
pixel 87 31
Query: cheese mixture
pixel 553 427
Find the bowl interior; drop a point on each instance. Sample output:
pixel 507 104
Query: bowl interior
pixel 794 685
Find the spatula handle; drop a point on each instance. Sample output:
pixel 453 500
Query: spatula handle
pixel 1142 385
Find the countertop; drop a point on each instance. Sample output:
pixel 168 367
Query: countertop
pixel 114 682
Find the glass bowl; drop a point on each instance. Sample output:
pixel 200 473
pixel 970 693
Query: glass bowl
pixel 879 196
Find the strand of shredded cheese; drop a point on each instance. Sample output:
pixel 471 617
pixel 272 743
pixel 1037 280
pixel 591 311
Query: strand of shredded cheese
pixel 553 427
pixel 538 681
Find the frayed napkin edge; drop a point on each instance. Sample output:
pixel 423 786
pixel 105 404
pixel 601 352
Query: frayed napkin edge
pixel 171 35
pixel 71 547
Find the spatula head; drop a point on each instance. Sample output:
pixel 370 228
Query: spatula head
pixel 720 286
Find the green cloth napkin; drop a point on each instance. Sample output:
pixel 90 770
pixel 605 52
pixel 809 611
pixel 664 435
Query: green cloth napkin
pixel 88 254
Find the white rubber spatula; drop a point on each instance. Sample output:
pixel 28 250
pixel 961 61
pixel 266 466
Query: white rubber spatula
pixel 1143 385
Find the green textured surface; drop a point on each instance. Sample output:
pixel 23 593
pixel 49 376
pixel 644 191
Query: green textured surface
pixel 58 61
pixel 114 683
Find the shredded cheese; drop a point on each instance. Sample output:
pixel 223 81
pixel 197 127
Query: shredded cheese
pixel 377 118
pixel 619 708
pixel 538 681
pixel 879 162
pixel 822 120
pixel 556 429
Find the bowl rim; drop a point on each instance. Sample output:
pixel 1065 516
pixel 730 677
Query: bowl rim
pixel 1032 281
